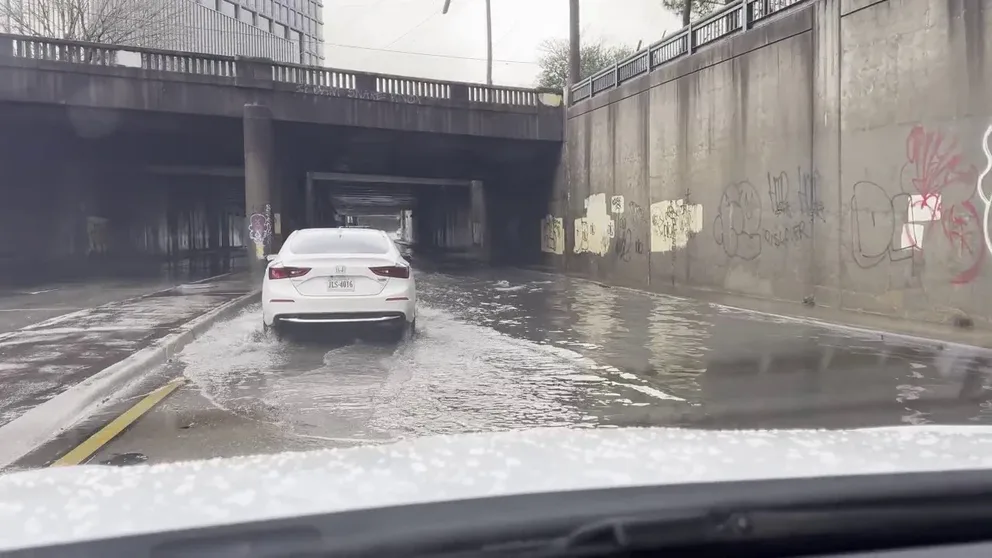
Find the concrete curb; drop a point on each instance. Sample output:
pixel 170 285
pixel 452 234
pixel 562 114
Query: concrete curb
pixel 40 424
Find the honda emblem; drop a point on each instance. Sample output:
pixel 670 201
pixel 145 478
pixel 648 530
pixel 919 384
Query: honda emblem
pixel 339 269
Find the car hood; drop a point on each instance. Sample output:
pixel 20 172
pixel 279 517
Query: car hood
pixel 69 504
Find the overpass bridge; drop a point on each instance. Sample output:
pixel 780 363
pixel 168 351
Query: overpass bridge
pixel 112 150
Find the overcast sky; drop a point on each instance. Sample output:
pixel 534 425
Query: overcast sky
pixel 384 35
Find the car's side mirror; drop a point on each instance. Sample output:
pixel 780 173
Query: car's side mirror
pixel 270 257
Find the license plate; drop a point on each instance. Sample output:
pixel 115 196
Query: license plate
pixel 339 285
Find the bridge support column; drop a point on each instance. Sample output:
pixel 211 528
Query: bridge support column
pixel 477 219
pixel 259 160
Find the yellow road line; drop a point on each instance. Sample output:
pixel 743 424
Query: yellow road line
pixel 83 451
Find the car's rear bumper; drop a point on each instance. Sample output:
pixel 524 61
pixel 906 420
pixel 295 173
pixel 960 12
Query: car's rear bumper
pixel 342 317
pixel 393 304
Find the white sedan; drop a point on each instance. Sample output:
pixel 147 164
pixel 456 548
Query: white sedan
pixel 339 276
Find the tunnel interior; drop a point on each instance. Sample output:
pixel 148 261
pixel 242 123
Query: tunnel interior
pixel 86 187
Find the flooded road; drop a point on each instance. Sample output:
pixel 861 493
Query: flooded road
pixel 510 349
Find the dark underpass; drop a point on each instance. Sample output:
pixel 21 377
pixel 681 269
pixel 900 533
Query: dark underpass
pixel 89 189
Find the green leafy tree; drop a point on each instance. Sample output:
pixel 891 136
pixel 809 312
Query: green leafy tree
pixel 692 9
pixel 594 57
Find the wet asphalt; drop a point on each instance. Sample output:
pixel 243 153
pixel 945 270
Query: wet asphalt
pixel 512 349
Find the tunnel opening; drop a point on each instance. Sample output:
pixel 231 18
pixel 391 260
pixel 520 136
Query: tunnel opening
pixel 435 218
pixel 159 193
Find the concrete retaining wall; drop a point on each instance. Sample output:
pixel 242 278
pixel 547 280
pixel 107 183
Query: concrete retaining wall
pixel 830 153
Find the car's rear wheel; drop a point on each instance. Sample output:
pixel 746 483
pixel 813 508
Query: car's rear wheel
pixel 276 329
pixel 401 331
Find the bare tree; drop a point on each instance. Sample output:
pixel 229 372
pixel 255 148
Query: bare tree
pixel 554 60
pixel 120 22
pixel 689 9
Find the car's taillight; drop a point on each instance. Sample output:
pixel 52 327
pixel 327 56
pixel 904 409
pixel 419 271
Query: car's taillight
pixel 286 272
pixel 397 271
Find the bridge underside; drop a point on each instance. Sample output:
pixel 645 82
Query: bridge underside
pixel 91 184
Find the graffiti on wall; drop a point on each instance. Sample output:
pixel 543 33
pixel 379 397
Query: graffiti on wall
pixel 553 235
pixel 260 230
pixel 794 206
pixel 630 217
pixel 672 223
pixel 980 187
pixel 932 210
pixel 793 221
pixel 592 231
pixel 737 225
pixel 805 184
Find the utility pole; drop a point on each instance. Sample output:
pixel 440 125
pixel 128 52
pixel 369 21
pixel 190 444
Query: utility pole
pixel 489 42
pixel 574 47
pixel 489 37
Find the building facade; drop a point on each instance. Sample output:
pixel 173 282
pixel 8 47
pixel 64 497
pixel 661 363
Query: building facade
pixel 283 30
pixel 298 21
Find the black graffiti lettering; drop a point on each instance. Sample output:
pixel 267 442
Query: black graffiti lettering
pixel 784 234
pixel 737 226
pixel 874 225
pixel 809 194
pixel 778 194
pixel 674 223
pixel 623 245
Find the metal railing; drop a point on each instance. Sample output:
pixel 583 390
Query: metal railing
pixel 311 79
pixel 737 16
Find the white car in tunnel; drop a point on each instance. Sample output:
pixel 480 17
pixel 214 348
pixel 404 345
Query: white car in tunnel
pixel 339 276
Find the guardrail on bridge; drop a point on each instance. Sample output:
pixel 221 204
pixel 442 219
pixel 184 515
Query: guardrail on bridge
pixel 735 17
pixel 308 79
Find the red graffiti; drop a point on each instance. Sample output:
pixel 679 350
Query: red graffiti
pixel 937 172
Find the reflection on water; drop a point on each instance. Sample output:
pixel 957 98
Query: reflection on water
pixel 715 366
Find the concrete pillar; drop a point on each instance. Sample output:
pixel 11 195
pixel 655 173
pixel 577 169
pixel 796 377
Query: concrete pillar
pixel 310 202
pixel 477 220
pixel 258 135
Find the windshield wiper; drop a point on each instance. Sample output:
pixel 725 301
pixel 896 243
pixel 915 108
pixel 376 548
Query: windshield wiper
pixel 652 532
pixel 837 527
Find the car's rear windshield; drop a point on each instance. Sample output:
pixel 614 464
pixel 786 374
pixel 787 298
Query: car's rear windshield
pixel 339 242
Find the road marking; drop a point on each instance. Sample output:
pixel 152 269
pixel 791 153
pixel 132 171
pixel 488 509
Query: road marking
pixel 62 309
pixel 83 451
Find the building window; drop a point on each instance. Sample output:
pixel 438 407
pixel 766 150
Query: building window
pixel 247 16
pixel 279 29
pixel 265 24
pixel 227 8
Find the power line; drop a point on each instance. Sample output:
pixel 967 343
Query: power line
pixel 411 30
pixel 452 56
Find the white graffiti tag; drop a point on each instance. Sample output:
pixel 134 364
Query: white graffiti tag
pixel 986 199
